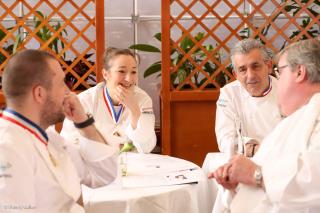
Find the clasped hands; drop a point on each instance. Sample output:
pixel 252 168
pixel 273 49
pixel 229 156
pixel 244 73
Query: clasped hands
pixel 239 169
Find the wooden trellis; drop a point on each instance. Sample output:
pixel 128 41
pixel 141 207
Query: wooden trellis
pixel 253 17
pixel 71 36
pixel 189 79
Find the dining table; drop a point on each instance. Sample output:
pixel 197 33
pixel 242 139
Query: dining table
pixel 152 183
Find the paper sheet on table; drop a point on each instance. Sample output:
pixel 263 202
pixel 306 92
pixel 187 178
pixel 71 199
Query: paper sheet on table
pixel 166 179
pixel 152 165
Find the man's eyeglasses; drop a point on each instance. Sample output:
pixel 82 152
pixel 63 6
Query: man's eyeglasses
pixel 278 69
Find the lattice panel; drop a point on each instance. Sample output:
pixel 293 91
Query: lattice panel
pixel 65 28
pixel 203 31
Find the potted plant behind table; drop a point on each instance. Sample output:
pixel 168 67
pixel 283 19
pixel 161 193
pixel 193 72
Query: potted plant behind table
pixel 80 68
pixel 44 34
pixel 187 66
pixel 187 44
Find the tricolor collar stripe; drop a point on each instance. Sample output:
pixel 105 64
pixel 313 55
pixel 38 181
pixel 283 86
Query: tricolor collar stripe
pixel 107 99
pixel 25 123
pixel 269 88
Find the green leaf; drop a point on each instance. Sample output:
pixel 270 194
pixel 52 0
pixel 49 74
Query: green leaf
pixel 296 11
pixel 175 60
pixel 182 75
pixel 199 36
pixel 88 55
pixel 17 43
pixel 288 8
pixel 173 77
pixel 186 44
pixel 127 147
pixel 9 49
pixel 209 47
pixel 294 34
pixel 202 81
pixel 64 53
pixel 315 13
pixel 152 69
pixel 2 34
pixel 208 68
pixel 173 50
pixel 158 36
pixel 145 48
pixel 40 13
pixel 305 22
pixel 245 33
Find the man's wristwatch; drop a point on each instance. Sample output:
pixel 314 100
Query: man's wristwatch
pixel 258 176
pixel 85 123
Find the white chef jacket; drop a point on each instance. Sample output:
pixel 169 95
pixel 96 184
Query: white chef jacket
pixel 289 158
pixel 41 172
pixel 238 113
pixel 143 137
pixel 254 117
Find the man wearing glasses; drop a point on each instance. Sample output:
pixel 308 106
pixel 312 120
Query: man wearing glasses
pixel 284 175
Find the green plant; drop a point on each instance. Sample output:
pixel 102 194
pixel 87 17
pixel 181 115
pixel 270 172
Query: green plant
pixel 154 68
pixel 188 65
pixel 45 34
pixel 291 7
pixel 313 31
pixel 9 48
pixel 127 147
pixel 81 69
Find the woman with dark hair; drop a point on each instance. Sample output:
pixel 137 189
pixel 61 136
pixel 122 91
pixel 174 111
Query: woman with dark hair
pixel 123 112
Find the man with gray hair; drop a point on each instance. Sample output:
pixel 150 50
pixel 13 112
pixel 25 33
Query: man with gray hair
pixel 246 110
pixel 284 175
pixel 247 107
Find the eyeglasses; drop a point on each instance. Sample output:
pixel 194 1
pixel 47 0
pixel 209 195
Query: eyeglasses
pixel 281 67
pixel 277 70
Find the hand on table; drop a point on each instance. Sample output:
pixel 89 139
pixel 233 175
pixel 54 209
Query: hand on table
pixel 239 169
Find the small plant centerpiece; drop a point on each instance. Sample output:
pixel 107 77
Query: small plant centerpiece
pixel 127 147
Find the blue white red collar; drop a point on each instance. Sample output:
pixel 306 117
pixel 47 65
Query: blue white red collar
pixel 269 88
pixel 20 120
pixel 113 112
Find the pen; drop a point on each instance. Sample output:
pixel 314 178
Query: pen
pixel 191 169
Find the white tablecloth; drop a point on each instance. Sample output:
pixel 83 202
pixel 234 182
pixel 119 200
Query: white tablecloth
pixel 212 161
pixel 139 193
